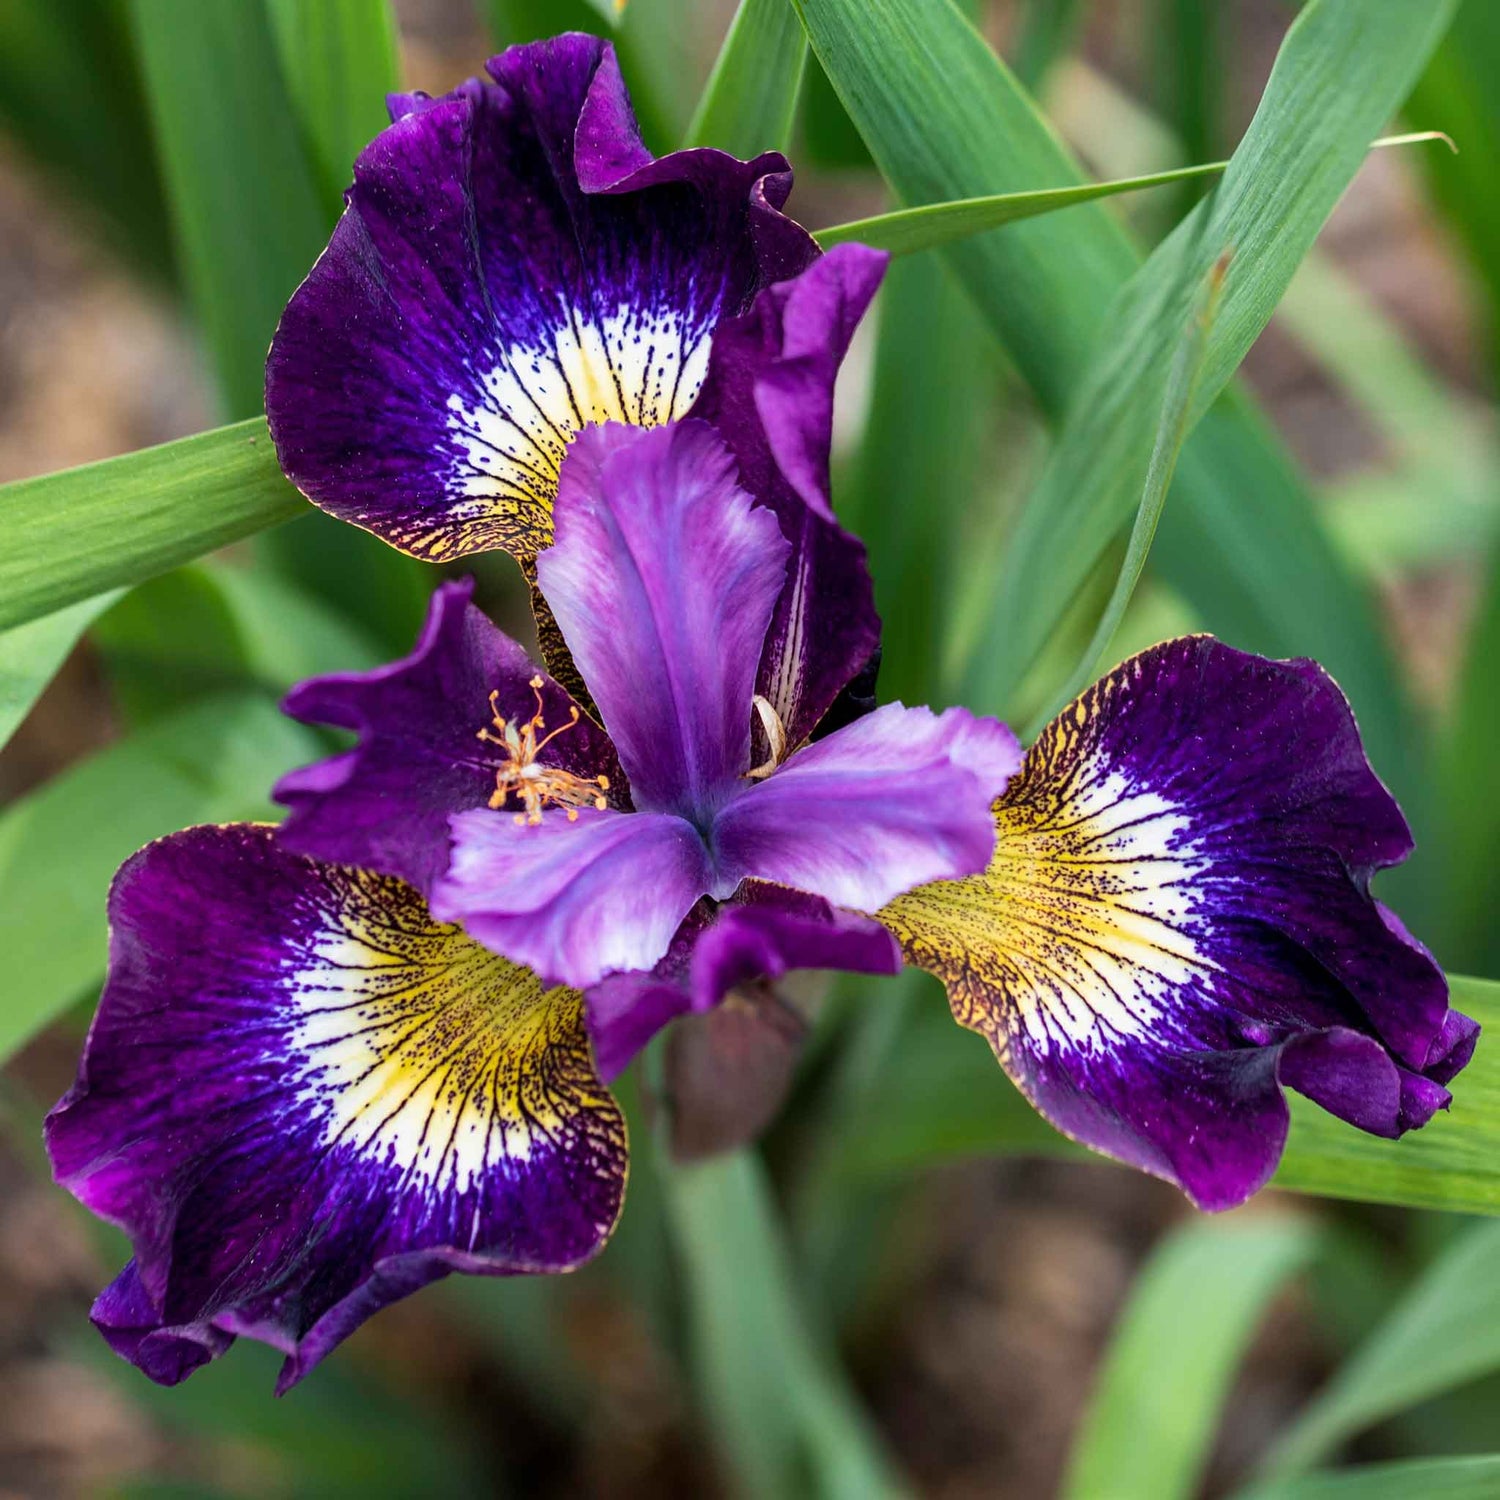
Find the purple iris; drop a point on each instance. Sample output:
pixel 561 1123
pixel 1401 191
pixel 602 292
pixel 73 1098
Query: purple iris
pixel 337 1060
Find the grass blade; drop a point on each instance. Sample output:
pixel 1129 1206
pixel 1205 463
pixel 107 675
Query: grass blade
pixel 1161 1389
pixel 1171 432
pixel 784 1417
pixel 31 654
pixel 749 103
pixel 1444 1331
pixel 60 845
pixel 339 60
pixel 248 216
pixel 1431 1478
pixel 77 533
pixel 951 123
pixel 1342 71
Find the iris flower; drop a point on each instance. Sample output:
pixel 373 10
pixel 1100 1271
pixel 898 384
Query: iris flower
pixel 339 1059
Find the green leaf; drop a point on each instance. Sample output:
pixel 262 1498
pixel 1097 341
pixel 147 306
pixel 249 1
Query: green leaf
pixel 1048 29
pixel 946 121
pixel 1160 1391
pixel 935 225
pixel 60 845
pixel 1444 1331
pixel 245 202
pixel 1171 432
pixel 927 446
pixel 750 100
pixel 1469 789
pixel 211 627
pixel 1342 71
pixel 1429 1478
pixel 72 535
pixel 31 654
pixel 339 60
pixel 781 1411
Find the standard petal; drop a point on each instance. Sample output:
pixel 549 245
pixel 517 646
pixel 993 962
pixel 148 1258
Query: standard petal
pixel 1176 922
pixel 302 1099
pixel 574 900
pixel 663 577
pixel 385 804
pixel 510 268
pixel 900 797
pixel 763 934
pixel 769 391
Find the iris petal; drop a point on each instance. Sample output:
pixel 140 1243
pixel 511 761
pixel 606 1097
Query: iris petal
pixel 899 797
pixel 304 1099
pixel 510 268
pixel 385 804
pixel 663 578
pixel 1176 922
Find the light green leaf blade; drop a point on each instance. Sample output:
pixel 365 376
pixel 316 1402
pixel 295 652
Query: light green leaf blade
pixel 1444 1331
pixel 246 209
pixel 71 535
pixel 1161 1389
pixel 60 845
pixel 1342 71
pixel 339 60
pixel 31 654
pixel 934 225
pixel 783 1415
pixel 1469 790
pixel 1429 1478
pixel 215 628
pixel 950 123
pixel 1171 431
pixel 749 103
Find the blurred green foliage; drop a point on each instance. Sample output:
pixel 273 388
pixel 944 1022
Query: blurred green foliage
pixel 209 146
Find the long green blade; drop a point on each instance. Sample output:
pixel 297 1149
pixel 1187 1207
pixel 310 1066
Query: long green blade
pixel 80 532
pixel 948 123
pixel 1429 1478
pixel 60 845
pixel 783 1415
pixel 339 60
pixel 1344 68
pixel 1166 1375
pixel 31 654
pixel 750 100
pixel 244 197
pixel 1444 1332
pixel 935 225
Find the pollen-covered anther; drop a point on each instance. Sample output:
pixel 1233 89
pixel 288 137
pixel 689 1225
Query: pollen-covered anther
pixel 521 774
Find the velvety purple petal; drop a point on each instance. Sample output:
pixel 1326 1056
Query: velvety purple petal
pixel 662 578
pixel 894 800
pixel 510 268
pixel 302 1099
pixel 385 804
pixel 764 933
pixel 770 391
pixel 1176 922
pixel 574 900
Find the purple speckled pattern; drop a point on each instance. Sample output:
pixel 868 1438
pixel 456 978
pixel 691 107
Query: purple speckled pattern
pixel 384 805
pixel 663 578
pixel 769 393
pixel 303 1099
pixel 512 266
pixel 1177 922
pixel 764 933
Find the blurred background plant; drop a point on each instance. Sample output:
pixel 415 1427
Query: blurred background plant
pixel 912 1286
